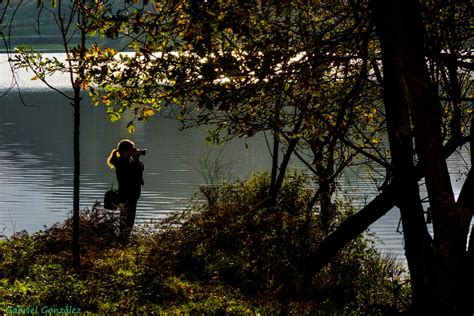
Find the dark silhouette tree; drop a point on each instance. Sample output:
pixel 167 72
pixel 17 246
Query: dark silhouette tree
pixel 414 119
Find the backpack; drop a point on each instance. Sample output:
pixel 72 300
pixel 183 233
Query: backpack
pixel 111 199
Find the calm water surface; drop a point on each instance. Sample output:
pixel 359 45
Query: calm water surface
pixel 36 166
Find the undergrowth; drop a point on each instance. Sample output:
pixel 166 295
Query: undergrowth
pixel 231 256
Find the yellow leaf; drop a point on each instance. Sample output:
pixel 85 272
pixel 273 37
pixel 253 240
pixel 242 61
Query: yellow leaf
pixel 131 128
pixel 375 140
pixel 148 113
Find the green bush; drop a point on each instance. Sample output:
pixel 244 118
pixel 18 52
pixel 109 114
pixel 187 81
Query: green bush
pixel 264 251
pixel 233 256
pixel 242 244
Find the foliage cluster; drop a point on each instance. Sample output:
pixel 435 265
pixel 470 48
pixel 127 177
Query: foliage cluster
pixel 264 251
pixel 233 257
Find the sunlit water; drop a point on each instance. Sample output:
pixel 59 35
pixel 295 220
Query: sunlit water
pixel 36 162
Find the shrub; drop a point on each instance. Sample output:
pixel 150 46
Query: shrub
pixel 264 251
pixel 232 256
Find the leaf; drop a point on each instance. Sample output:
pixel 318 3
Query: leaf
pixel 113 116
pixel 375 140
pixel 148 113
pixel 131 127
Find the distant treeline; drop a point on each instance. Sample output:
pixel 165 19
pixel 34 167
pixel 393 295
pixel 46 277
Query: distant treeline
pixel 30 25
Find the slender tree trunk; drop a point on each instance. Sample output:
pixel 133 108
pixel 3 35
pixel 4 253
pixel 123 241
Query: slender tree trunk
pixel 76 181
pixel 76 254
pixel 276 148
pixel 326 189
pixel 278 173
pixel 284 165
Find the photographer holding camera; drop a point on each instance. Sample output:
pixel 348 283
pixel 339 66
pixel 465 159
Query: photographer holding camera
pixel 125 159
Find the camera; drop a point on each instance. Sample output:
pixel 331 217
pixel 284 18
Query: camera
pixel 141 152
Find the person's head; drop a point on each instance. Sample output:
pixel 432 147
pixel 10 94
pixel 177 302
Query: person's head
pixel 124 149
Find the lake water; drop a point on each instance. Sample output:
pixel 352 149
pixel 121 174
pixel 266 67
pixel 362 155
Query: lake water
pixel 36 166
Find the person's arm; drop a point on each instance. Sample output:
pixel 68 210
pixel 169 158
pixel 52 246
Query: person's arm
pixel 138 167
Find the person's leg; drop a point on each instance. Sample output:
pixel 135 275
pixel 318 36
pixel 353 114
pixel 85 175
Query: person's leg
pixel 132 210
pixel 124 231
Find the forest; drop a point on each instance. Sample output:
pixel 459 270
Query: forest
pixel 385 84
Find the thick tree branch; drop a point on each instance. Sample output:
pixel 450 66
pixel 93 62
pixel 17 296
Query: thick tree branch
pixel 360 221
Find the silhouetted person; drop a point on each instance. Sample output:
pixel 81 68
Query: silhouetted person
pixel 125 159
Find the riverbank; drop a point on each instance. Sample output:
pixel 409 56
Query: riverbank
pixel 223 257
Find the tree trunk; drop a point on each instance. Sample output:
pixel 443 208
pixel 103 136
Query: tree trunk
pixel 277 178
pixel 276 147
pixel 326 189
pixel 408 87
pixel 418 243
pixel 77 84
pixel 76 257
